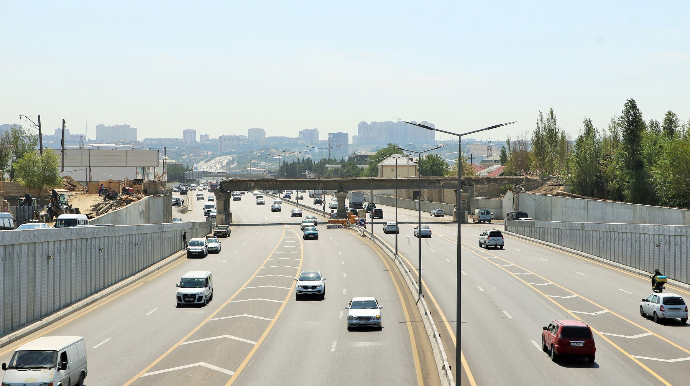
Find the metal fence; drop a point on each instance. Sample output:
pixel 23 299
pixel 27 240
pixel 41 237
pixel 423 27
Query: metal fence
pixel 45 270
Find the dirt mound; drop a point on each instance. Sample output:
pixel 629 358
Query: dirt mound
pixel 71 184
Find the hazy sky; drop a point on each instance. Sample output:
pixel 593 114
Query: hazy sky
pixel 223 67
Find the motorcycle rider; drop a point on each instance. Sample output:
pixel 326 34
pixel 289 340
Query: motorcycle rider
pixel 656 273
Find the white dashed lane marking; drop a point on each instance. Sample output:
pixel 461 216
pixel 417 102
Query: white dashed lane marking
pixel 152 311
pixel 96 346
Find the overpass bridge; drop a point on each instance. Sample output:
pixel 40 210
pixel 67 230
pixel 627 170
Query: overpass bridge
pixel 342 185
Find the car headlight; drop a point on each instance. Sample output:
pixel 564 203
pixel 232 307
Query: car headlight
pixel 377 316
pixel 350 317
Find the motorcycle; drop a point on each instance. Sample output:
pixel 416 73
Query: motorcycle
pixel 658 283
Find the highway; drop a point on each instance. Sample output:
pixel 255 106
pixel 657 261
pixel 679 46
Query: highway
pixel 254 332
pixel 509 295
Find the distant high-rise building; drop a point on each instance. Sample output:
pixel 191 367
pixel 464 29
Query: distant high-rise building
pixel 203 138
pixel 230 142
pixel 401 133
pixel 309 135
pixel 338 144
pixel 117 133
pixel 189 135
pixel 6 127
pixel 256 135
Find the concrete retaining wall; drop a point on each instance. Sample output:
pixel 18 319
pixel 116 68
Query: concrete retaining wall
pixel 641 246
pixel 149 210
pixel 45 270
pixel 557 208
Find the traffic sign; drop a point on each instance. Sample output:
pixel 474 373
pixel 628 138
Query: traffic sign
pixel 362 222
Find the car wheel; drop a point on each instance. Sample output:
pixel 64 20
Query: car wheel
pixel 501 246
pixel 543 345
pixel 590 359
pixel 554 356
pixel 656 317
pixel 211 297
pixel 683 320
pixel 205 302
pixel 316 238
pixel 642 312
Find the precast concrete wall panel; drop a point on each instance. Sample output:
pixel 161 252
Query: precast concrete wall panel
pixel 43 271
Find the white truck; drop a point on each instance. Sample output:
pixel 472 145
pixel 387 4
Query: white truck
pixel 482 215
pixel 356 200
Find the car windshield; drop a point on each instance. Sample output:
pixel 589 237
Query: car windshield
pixel 576 332
pixel 192 282
pixel 310 229
pixel 309 276
pixel 212 239
pixel 196 243
pixel 674 301
pixel 29 359
pixel 495 234
pixel 31 226
pixel 363 304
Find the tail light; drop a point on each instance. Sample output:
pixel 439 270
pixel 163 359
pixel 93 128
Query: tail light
pixel 686 308
pixel 661 308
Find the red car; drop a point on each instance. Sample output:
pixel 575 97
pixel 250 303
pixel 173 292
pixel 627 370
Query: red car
pixel 568 338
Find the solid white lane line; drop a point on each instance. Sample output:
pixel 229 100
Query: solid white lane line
pixel 241 316
pixel 463 272
pixel 620 289
pixel 203 364
pixel 96 346
pixel 590 313
pixel 152 311
pixel 661 359
pixel 627 336
pixel 536 345
pixel 333 347
pixel 480 288
pixel 509 317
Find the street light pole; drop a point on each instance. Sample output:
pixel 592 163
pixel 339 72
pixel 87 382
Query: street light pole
pixel 419 209
pixel 458 349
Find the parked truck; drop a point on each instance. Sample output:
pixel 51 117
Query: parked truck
pixel 356 200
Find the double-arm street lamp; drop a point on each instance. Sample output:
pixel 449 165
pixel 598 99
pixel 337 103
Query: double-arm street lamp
pixel 419 210
pixel 459 219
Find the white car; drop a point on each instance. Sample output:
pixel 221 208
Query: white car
pixel 260 201
pixel 306 223
pixel 664 306
pixel 195 288
pixel 310 283
pixel 333 205
pixel 211 198
pixel 363 312
pixel 425 233
pixel 213 244
pixel 176 219
pixel 491 238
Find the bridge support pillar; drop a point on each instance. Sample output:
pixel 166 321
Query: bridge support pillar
pixel 342 209
pixel 223 212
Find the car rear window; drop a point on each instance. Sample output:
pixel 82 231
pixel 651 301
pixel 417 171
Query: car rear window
pixel 576 332
pixel 674 301
pixel 495 234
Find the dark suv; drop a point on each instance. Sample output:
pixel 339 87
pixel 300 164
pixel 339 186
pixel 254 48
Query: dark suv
pixel 568 338
pixel 516 215
pixel 377 213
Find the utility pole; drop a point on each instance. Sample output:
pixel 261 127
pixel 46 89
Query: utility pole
pixel 40 135
pixel 62 144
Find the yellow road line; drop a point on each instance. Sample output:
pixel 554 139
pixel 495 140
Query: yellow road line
pixel 275 319
pixel 91 308
pixel 467 369
pixel 209 317
pixel 578 318
pixel 415 355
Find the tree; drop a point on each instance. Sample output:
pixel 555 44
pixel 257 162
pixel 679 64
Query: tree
pixel 175 172
pixel 585 174
pixel 14 144
pixel 632 128
pixel 467 168
pixel 549 146
pixel 671 175
pixel 38 171
pixel 504 155
pixel 432 165
pixel 671 124
pixel 518 157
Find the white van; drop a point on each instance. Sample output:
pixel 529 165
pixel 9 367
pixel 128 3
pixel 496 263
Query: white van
pixel 196 287
pixel 49 360
pixel 71 220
